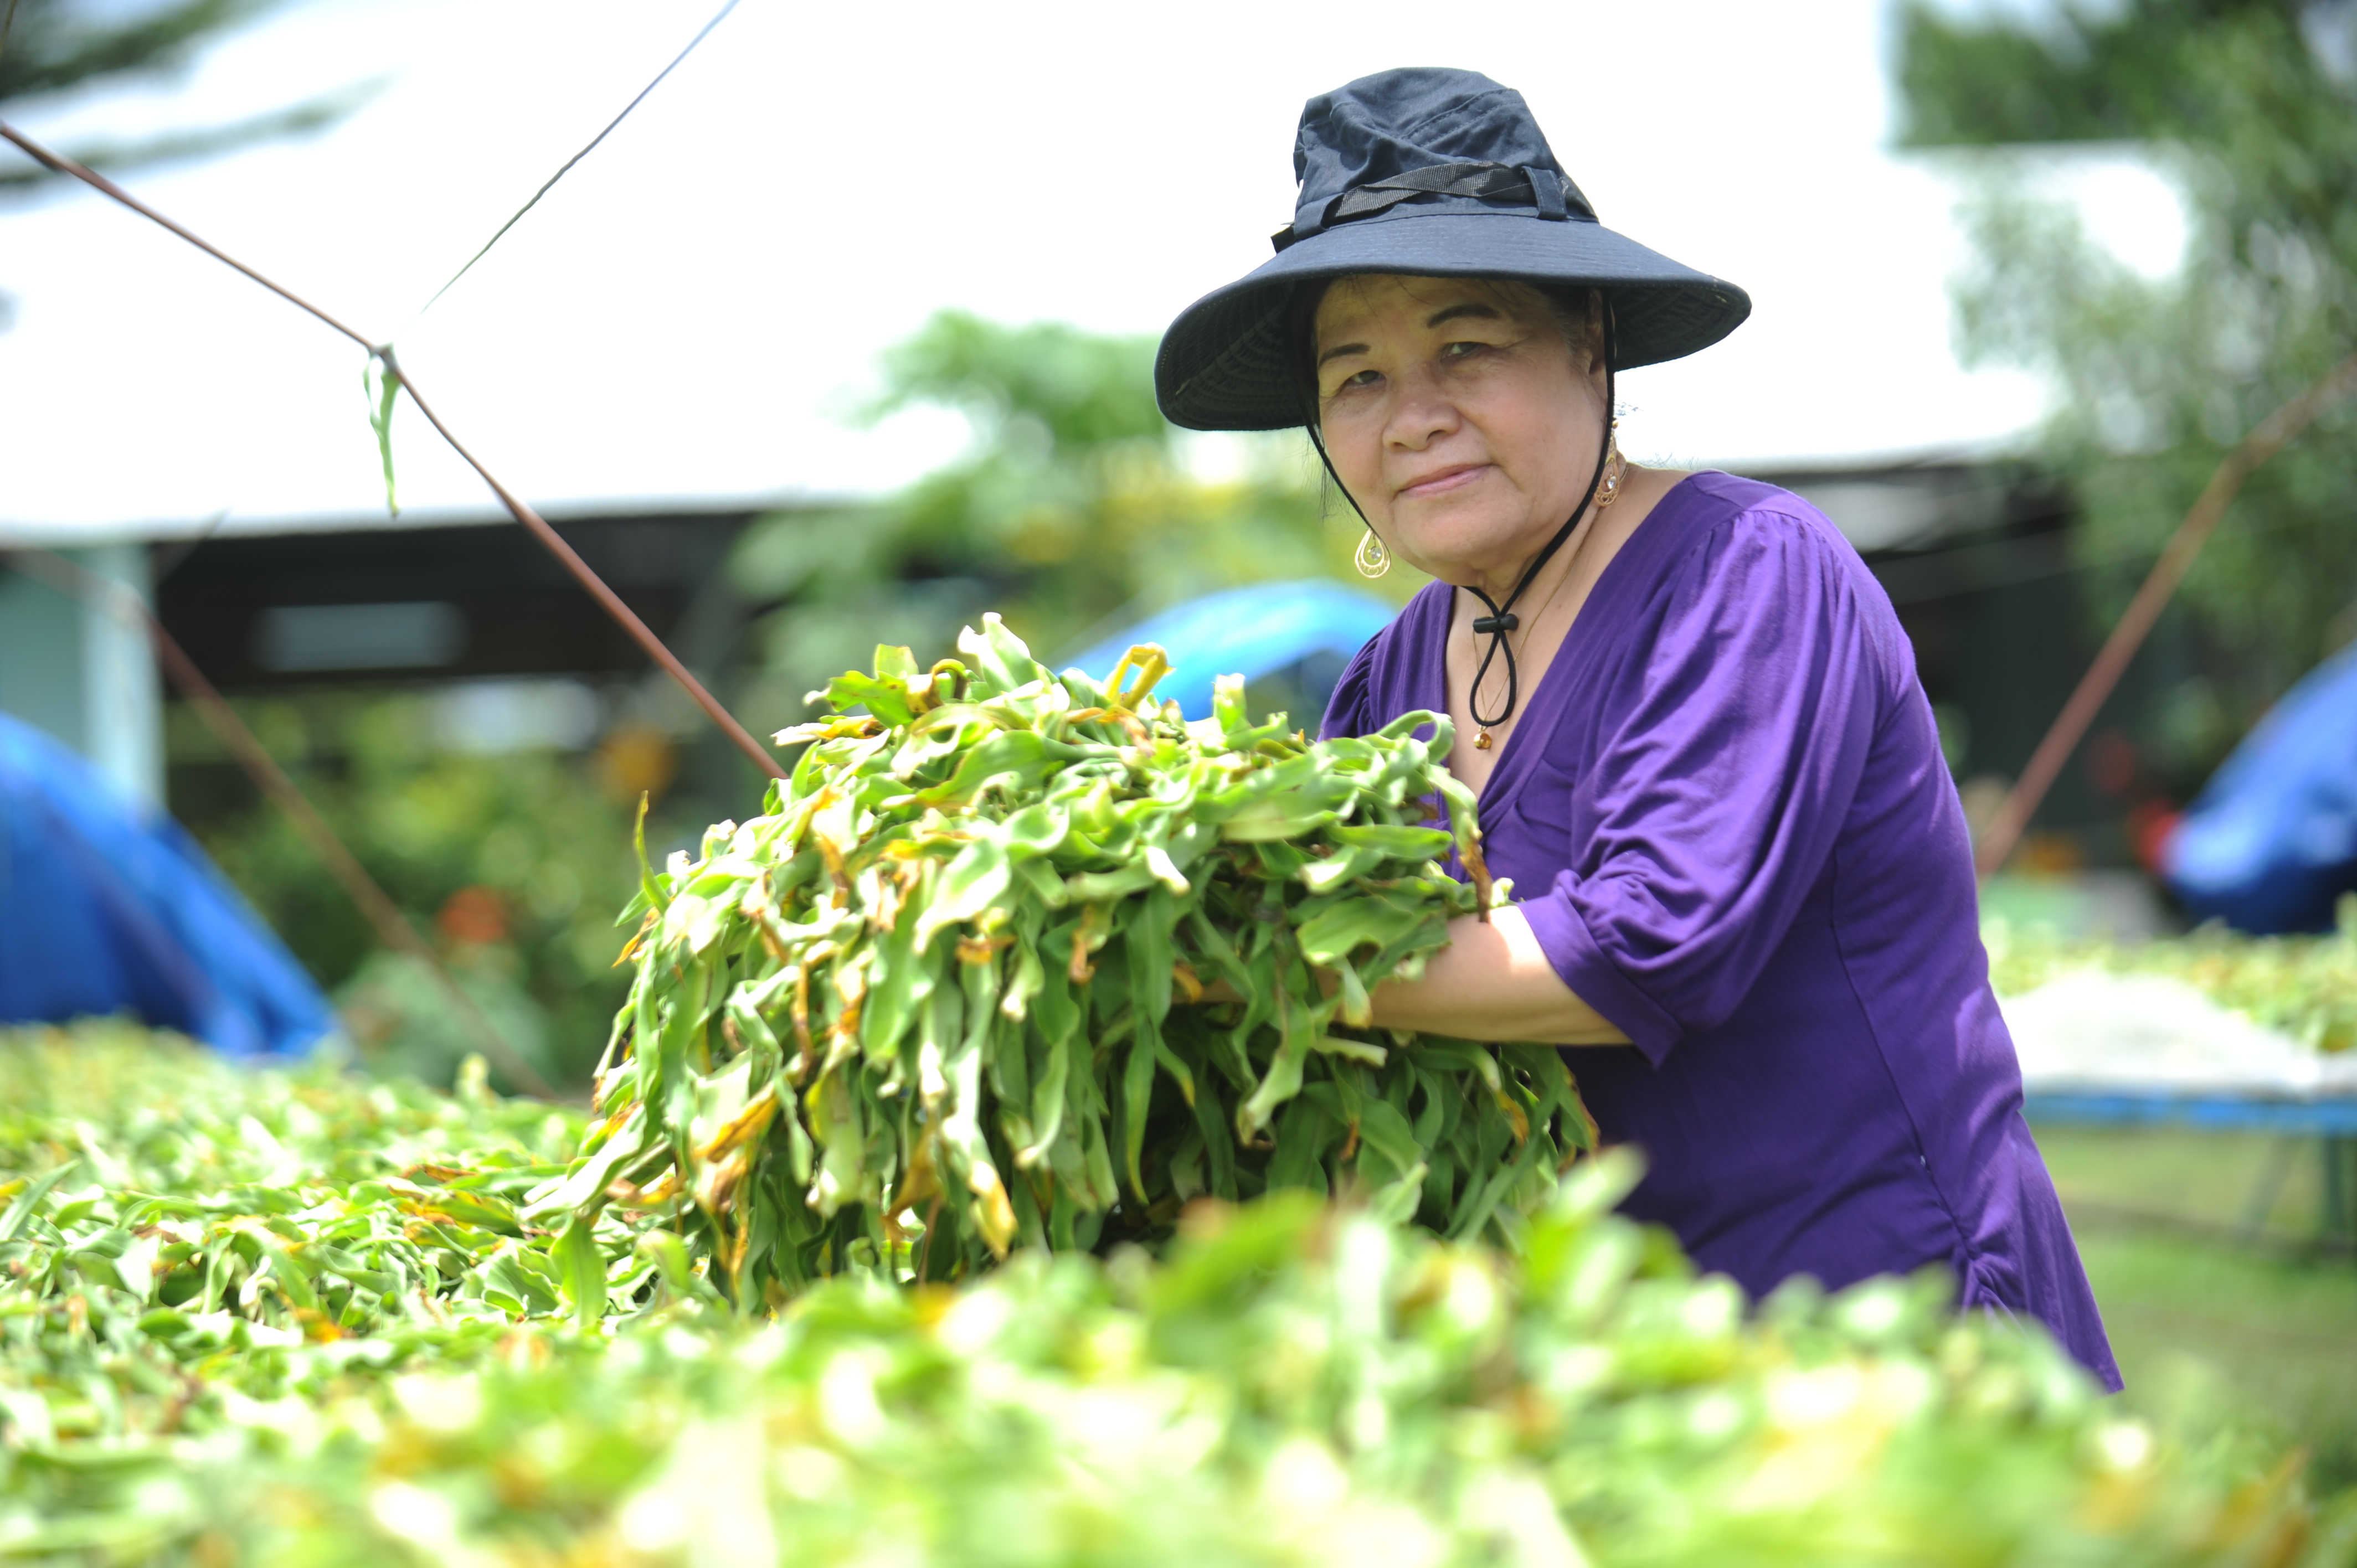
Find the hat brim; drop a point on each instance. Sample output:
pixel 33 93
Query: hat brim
pixel 1221 366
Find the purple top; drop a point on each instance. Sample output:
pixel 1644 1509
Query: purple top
pixel 1727 813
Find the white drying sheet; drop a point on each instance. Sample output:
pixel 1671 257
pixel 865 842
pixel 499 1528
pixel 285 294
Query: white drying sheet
pixel 2096 1030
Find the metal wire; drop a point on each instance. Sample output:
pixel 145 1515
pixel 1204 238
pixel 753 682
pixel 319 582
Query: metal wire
pixel 554 542
pixel 576 157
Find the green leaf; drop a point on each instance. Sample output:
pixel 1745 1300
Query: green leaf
pixel 380 383
pixel 1010 761
pixel 1385 1132
pixel 648 888
pixel 1001 661
pixel 1340 927
pixel 28 1202
pixel 886 701
pixel 1282 1081
pixel 1394 841
pixel 1228 703
pixel 1138 1094
pixel 581 1270
pixel 900 979
pixel 972 882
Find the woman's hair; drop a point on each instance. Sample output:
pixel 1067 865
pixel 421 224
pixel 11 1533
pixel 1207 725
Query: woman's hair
pixel 1576 312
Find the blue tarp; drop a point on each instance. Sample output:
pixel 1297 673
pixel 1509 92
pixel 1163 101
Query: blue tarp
pixel 2270 842
pixel 104 910
pixel 1251 632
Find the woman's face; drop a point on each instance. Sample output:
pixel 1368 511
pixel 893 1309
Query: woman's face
pixel 1456 418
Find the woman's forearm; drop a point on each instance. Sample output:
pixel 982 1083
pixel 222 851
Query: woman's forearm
pixel 1492 982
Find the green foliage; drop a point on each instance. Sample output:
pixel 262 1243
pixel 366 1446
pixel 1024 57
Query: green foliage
pixel 52 46
pixel 208 1209
pixel 1295 1384
pixel 2242 106
pixel 59 46
pixel 2080 73
pixel 935 983
pixel 2304 987
pixel 1075 503
pixel 1043 388
pixel 404 1023
pixel 534 829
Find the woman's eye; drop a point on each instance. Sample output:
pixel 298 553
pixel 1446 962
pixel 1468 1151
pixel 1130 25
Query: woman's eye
pixel 1459 350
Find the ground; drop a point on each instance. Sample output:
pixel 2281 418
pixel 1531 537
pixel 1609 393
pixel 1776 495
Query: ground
pixel 2213 1325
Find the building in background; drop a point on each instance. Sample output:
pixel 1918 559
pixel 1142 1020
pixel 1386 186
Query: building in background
pixel 476 610
pixel 1975 555
pixel 83 675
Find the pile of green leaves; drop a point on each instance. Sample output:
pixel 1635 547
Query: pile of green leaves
pixel 2304 987
pixel 1021 958
pixel 1293 1383
pixel 150 1194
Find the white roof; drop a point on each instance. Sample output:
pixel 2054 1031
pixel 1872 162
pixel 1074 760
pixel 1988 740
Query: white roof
pixel 685 317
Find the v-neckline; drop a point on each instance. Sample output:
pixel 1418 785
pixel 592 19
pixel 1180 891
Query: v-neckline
pixel 1505 777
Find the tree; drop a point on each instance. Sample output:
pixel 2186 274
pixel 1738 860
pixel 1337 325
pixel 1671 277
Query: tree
pixel 512 864
pixel 2247 105
pixel 52 47
pixel 1075 511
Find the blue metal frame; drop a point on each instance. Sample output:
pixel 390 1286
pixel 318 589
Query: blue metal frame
pixel 2332 1122
pixel 2326 1118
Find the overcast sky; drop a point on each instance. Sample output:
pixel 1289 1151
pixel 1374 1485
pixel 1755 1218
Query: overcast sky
pixel 687 315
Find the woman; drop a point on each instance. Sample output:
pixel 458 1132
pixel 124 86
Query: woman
pixel 1692 718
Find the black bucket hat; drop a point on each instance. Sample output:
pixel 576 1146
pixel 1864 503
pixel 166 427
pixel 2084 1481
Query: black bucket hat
pixel 1432 173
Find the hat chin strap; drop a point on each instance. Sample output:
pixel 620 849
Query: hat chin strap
pixel 1502 619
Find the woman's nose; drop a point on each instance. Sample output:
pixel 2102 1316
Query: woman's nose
pixel 1421 413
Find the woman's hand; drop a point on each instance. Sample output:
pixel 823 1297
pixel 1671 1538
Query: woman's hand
pixel 1492 982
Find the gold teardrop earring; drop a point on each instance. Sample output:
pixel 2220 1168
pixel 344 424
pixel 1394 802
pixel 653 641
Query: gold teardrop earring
pixel 1616 469
pixel 1372 560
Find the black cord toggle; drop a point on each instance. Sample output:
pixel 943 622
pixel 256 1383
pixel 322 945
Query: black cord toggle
pixel 1502 619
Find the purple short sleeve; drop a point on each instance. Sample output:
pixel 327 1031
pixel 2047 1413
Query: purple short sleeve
pixel 1562 931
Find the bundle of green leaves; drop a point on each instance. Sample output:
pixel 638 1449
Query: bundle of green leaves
pixel 1017 958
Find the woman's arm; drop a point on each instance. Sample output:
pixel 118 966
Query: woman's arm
pixel 1493 983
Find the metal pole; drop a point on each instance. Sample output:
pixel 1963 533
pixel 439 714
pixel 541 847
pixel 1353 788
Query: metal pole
pixel 2266 438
